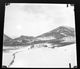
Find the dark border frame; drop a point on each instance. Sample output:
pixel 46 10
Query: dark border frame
pixel 76 4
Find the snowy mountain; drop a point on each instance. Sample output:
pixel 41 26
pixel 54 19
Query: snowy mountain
pixel 19 41
pixel 59 36
pixel 58 33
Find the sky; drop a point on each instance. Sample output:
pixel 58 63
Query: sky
pixel 35 19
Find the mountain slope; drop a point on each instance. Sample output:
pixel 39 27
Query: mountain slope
pixel 58 33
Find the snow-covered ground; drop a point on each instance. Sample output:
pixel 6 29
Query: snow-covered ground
pixel 43 57
pixel 7 56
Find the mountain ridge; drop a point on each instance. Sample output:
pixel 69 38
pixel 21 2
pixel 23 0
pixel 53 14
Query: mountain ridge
pixel 56 34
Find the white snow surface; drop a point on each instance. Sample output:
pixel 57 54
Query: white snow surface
pixel 45 57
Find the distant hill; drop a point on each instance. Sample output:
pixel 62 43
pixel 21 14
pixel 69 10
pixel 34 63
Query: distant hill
pixel 22 40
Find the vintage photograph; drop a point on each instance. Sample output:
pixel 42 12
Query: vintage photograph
pixel 39 35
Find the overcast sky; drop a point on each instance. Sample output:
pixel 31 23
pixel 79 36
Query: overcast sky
pixel 35 19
